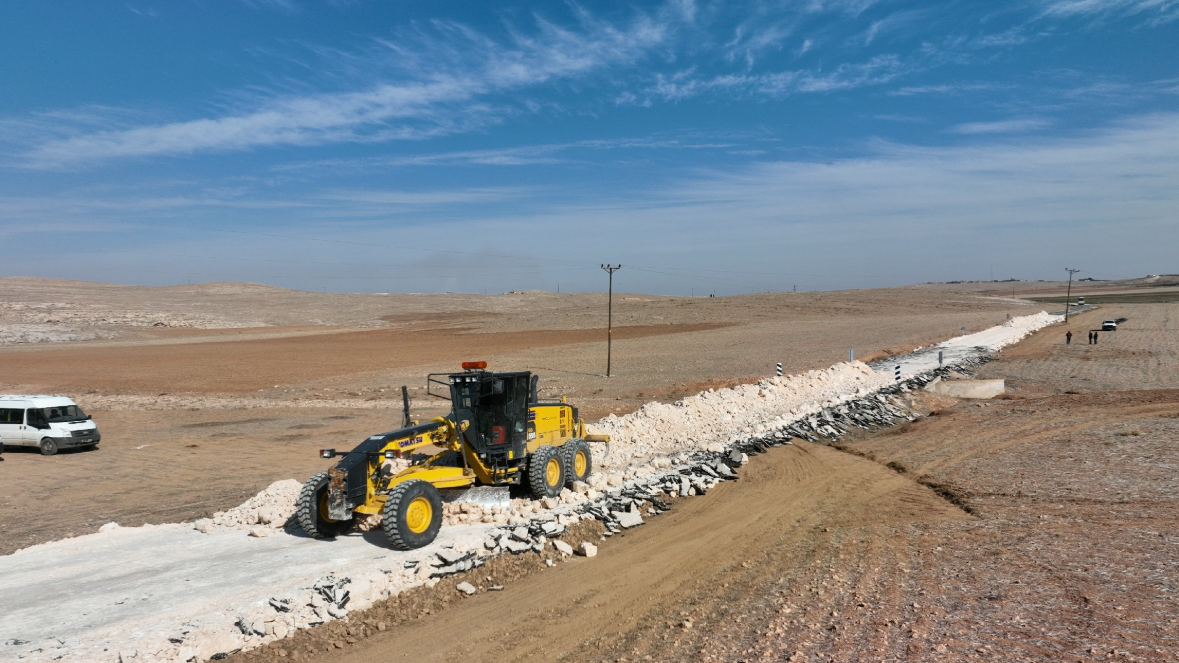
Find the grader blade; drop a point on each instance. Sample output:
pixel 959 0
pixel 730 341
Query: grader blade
pixel 484 496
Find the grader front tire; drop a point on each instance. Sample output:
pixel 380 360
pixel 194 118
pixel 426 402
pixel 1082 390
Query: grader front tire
pixel 546 472
pixel 579 462
pixel 311 510
pixel 412 515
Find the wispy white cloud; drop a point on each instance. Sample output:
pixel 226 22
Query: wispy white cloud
pixel 1018 125
pixel 423 198
pixel 928 213
pixel 1159 11
pixel 526 155
pixel 451 73
pixel 946 89
pixel 1052 180
pixel 876 71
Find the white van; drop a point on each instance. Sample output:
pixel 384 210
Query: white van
pixel 48 422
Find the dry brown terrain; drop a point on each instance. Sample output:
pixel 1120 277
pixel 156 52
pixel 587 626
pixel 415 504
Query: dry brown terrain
pixel 196 420
pixel 740 564
pixel 1065 547
pixel 1039 527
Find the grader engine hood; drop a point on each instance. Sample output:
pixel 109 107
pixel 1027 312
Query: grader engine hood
pixel 351 489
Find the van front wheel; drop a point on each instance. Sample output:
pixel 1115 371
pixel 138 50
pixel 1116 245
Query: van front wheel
pixel 48 446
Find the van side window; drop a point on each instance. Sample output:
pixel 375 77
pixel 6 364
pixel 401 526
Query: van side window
pixel 10 415
pixel 37 419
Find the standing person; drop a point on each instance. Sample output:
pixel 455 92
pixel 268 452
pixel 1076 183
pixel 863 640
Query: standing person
pixel 1094 338
pixel 1090 337
pixel 1068 338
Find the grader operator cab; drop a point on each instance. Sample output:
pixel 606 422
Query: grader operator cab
pixel 498 433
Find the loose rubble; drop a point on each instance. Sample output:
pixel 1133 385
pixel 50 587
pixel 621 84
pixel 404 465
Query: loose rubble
pixel 657 455
pixel 273 509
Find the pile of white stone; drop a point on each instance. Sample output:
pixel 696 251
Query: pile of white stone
pixel 1012 331
pixel 271 509
pixel 718 417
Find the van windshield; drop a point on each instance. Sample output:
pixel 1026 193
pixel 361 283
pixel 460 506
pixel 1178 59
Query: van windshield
pixel 63 413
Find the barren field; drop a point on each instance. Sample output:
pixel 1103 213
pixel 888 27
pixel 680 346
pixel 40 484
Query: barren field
pixel 196 420
pixel 1142 354
pixel 1040 527
pixel 1037 527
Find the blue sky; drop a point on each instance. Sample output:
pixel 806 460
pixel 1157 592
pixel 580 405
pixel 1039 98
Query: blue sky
pixel 473 146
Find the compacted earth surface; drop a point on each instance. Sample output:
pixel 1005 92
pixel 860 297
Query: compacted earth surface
pixel 206 394
pixel 1042 526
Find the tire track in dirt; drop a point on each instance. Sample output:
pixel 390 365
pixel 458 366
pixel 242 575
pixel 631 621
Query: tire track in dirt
pixel 730 562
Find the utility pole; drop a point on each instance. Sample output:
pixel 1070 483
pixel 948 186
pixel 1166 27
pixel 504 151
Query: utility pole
pixel 1069 292
pixel 610 313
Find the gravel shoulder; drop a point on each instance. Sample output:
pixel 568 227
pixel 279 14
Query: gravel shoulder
pixel 1040 527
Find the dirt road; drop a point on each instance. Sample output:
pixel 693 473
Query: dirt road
pixel 1069 553
pixel 726 563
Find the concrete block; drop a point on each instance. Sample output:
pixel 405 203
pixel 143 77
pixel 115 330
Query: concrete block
pixel 967 388
pixel 587 549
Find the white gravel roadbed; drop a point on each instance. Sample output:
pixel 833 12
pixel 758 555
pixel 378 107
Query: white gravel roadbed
pixel 189 591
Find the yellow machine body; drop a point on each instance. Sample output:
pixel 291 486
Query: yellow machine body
pixel 457 464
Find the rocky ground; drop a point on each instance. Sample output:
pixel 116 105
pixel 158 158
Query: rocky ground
pixel 195 421
pixel 1037 527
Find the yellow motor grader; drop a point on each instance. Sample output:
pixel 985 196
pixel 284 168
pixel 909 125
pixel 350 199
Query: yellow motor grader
pixel 498 433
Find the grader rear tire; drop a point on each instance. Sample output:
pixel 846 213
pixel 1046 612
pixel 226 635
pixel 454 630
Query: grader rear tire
pixel 412 515
pixel 311 510
pixel 579 462
pixel 546 472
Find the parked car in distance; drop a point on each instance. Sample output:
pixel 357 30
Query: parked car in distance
pixel 47 422
pixel 1109 325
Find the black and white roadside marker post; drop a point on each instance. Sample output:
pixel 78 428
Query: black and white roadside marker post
pixel 779 369
pixel 898 372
